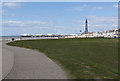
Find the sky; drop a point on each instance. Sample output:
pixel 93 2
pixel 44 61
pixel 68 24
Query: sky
pixel 60 0
pixel 57 17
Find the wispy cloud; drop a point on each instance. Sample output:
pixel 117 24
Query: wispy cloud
pixel 32 27
pixel 99 23
pixel 80 8
pixel 116 6
pixel 26 24
pixel 98 8
pixel 83 7
pixel 12 4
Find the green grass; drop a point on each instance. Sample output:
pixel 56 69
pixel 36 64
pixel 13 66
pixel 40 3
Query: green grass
pixel 81 58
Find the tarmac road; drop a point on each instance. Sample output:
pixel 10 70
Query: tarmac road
pixel 29 64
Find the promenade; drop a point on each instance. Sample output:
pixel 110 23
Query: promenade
pixel 22 63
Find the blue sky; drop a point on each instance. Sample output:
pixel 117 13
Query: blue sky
pixel 57 17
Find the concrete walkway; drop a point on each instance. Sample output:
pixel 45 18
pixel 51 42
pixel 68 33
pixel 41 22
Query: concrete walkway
pixel 7 62
pixel 30 64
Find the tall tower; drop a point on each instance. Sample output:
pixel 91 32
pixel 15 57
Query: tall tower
pixel 86 27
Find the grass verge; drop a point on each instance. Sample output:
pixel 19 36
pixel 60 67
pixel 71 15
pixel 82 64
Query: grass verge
pixel 86 58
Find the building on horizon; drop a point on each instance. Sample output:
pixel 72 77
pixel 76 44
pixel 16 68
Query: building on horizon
pixel 86 27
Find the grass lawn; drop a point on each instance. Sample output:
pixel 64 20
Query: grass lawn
pixel 85 58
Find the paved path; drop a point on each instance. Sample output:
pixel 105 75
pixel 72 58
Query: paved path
pixel 30 64
pixel 8 60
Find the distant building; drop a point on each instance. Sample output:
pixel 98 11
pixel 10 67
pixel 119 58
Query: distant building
pixel 26 35
pixel 86 27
